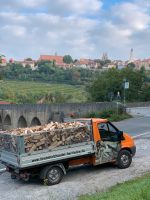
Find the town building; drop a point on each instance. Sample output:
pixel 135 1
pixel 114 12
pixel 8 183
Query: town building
pixel 58 60
pixel 142 63
pixel 3 62
pixel 86 64
pixel 28 63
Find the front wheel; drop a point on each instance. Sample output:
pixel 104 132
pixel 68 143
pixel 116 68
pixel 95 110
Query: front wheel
pixel 54 176
pixel 124 159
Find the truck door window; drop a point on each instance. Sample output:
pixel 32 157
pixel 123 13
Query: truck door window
pixel 112 132
pixel 107 132
pixel 104 132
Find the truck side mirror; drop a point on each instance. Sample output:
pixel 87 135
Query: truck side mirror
pixel 120 135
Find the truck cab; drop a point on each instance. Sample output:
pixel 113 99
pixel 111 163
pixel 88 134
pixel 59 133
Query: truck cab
pixel 111 144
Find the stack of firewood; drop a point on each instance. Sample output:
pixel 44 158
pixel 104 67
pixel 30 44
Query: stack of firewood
pixel 52 135
pixel 8 142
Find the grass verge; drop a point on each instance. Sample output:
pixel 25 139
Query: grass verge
pixel 111 115
pixel 136 189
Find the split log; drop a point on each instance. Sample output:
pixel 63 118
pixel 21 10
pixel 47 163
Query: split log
pixel 49 136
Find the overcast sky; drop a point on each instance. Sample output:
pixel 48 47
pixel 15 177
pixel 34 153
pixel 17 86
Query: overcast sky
pixel 81 28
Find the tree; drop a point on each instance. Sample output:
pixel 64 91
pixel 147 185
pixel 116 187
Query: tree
pixel 75 75
pixel 1 71
pixel 131 65
pixel 28 59
pixel 1 57
pixel 67 59
pixel 109 83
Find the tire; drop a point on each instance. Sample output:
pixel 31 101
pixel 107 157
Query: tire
pixel 13 176
pixel 54 176
pixel 124 159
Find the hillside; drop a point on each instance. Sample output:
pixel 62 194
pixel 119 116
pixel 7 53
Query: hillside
pixel 33 92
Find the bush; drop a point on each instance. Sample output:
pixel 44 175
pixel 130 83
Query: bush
pixel 112 115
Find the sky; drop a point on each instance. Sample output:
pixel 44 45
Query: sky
pixel 81 28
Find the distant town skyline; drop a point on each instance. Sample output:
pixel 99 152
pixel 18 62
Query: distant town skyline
pixel 84 28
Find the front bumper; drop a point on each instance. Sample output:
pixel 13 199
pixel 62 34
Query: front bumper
pixel 133 150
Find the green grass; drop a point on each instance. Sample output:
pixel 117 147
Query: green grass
pixel 119 117
pixel 111 115
pixel 15 90
pixel 137 189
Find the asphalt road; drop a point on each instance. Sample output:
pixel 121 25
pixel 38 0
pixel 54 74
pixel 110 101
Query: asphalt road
pixel 139 111
pixel 134 126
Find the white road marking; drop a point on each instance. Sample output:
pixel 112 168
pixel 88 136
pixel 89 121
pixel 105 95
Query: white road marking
pixel 141 134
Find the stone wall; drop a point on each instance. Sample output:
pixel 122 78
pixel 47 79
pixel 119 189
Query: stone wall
pixel 138 104
pixel 23 115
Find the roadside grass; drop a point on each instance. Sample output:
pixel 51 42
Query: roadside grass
pixel 31 92
pixel 117 117
pixel 136 189
pixel 111 115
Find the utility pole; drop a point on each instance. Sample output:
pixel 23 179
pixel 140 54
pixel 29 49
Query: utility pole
pixel 118 100
pixel 125 87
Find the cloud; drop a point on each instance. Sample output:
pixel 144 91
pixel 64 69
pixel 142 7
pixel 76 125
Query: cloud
pixel 19 4
pixel 56 7
pixel 82 28
pixel 132 16
pixel 75 6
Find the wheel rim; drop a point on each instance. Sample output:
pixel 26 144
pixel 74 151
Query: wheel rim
pixel 53 175
pixel 125 159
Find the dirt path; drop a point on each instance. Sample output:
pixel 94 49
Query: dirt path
pixel 81 180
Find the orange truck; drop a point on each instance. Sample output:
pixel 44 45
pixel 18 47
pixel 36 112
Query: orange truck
pixel 107 144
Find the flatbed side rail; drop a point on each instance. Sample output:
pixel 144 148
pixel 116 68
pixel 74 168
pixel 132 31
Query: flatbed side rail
pixel 48 156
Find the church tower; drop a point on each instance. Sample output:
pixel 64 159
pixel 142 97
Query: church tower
pixel 131 57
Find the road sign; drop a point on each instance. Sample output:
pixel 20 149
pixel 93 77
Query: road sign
pixel 126 85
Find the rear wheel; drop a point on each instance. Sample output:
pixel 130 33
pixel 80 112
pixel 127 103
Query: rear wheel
pixel 13 176
pixel 54 176
pixel 124 159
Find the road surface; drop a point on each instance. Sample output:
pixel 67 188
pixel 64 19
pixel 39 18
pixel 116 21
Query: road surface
pixel 135 126
pixel 139 111
pixel 86 179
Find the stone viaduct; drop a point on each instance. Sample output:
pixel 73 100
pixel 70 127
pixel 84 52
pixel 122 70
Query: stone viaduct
pixel 26 115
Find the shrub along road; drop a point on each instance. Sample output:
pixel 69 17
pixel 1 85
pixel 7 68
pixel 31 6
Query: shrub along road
pixel 84 180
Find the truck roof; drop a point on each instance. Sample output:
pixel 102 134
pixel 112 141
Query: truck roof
pixel 98 120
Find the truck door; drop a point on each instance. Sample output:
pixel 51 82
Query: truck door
pixel 109 144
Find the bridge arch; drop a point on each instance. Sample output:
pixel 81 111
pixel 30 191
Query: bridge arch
pixel 35 122
pixel 0 122
pixel 22 123
pixel 7 121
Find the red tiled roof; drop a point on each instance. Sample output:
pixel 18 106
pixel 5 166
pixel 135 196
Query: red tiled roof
pixel 4 102
pixel 83 61
pixel 57 59
pixel 3 60
pixel 146 60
